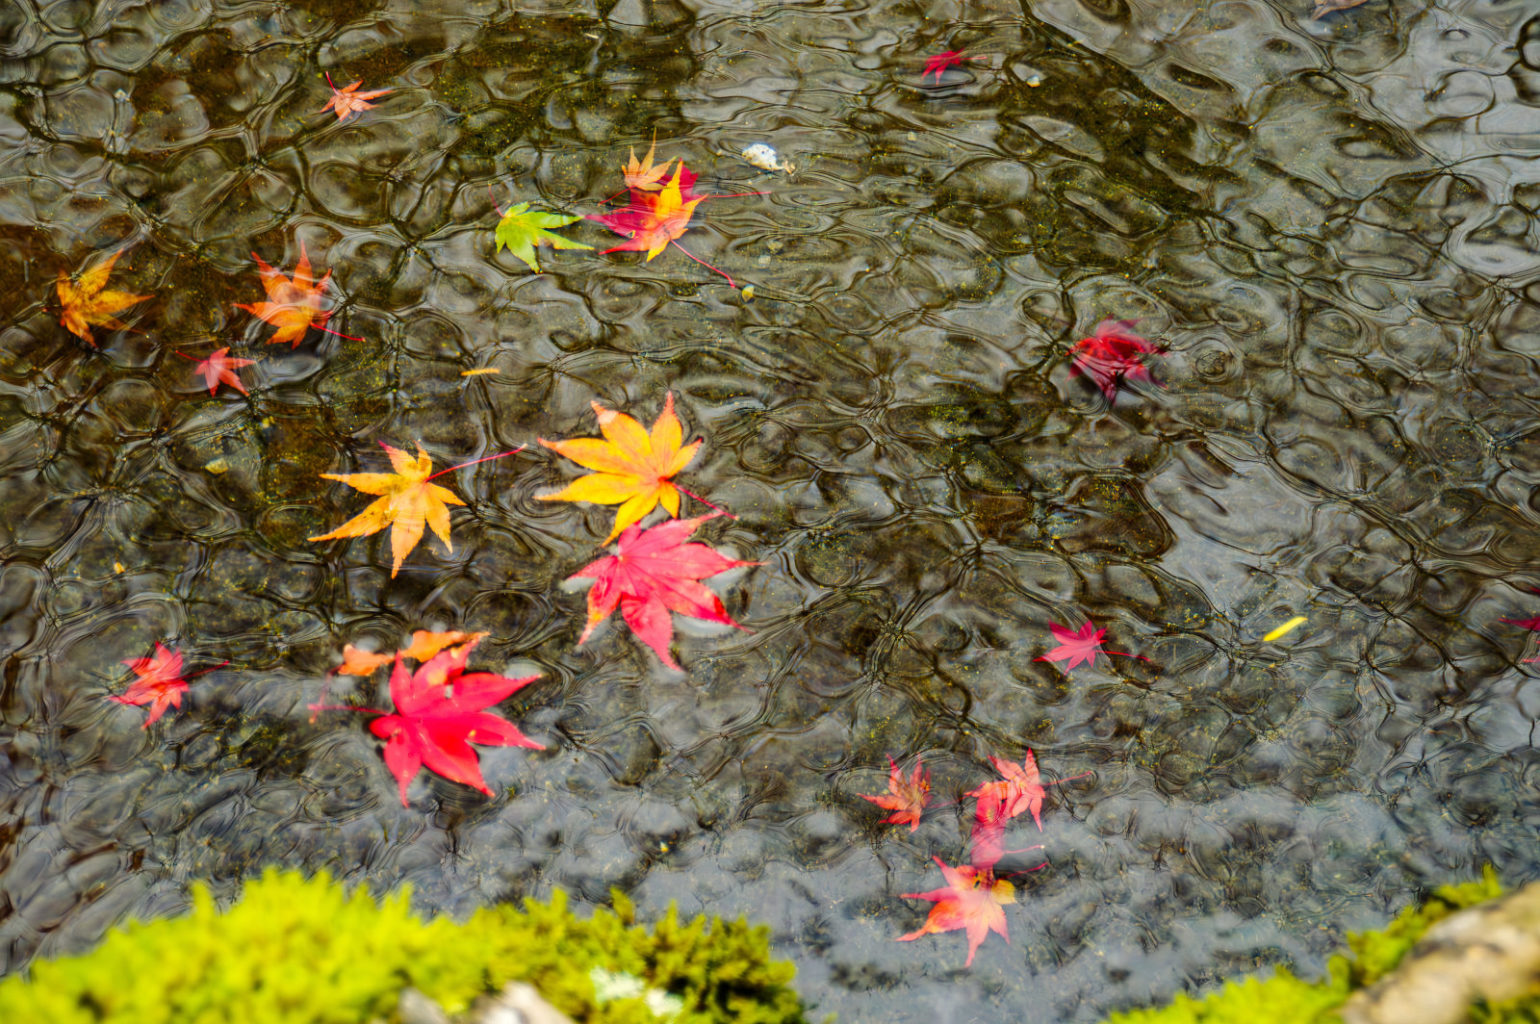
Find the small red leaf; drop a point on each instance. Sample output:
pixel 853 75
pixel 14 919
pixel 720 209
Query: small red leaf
pixel 1110 356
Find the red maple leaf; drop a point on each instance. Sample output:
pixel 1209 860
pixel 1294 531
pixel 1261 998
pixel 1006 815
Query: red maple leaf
pixel 348 100
pixel 1080 646
pixel 1019 790
pixel 218 368
pixel 652 574
pixel 1533 624
pixel 988 837
pixel 906 797
pixel 439 714
pixel 653 220
pixel 159 683
pixel 972 900
pixel 937 63
pixel 1110 356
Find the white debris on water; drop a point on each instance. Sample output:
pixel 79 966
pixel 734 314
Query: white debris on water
pixel 766 158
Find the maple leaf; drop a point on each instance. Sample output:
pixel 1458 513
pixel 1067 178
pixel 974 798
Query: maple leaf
pixel 348 100
pixel 1110 356
pixel 1082 645
pixel 988 837
pixel 642 174
pixel 159 682
pixel 906 797
pixel 1325 7
pixel 439 714
pixel 521 229
pixel 635 466
pixel 1019 790
pixel 1532 624
pixel 653 219
pixel 653 573
pixel 972 900
pixel 87 305
pixel 219 368
pixel 424 645
pixel 939 62
pixel 408 502
pixel 293 306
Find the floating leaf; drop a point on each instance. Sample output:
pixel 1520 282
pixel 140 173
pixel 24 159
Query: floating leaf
pixel 521 229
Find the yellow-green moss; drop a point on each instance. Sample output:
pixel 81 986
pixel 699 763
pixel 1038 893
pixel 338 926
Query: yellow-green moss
pixel 1285 999
pixel 303 951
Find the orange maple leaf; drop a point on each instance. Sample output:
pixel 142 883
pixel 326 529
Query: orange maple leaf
pixel 634 465
pixel 347 100
pixel 972 900
pixel 642 174
pixel 408 503
pixel 293 306
pixel 85 303
pixel 424 646
pixel 906 797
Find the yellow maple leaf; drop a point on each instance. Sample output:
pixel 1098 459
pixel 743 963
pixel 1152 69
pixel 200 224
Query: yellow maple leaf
pixel 86 305
pixel 408 503
pixel 634 465
pixel 425 644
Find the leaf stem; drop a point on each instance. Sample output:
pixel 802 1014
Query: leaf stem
pixel 206 671
pixel 184 355
pixel 730 282
pixel 473 462
pixel 499 209
pixel 719 509
pixel 329 83
pixel 328 330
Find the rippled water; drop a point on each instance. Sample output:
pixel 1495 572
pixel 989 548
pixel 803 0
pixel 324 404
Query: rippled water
pixel 1330 224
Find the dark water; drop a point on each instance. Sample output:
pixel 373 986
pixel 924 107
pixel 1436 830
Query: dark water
pixel 1331 225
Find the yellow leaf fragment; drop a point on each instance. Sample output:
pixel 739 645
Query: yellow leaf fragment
pixel 479 371
pixel 1285 629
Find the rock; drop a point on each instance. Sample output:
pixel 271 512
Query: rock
pixel 416 1008
pixel 1489 952
pixel 517 1004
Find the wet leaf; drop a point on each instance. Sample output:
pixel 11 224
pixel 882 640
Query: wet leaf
pixel 652 574
pixel 159 682
pixel 521 229
pixel 88 304
pixel 906 797
pixel 424 645
pixel 1019 790
pixel 642 174
pixel 408 502
pixel 1110 356
pixel 937 63
pixel 348 101
pixel 293 305
pixel 635 467
pixel 440 713
pixel 1080 646
pixel 219 368
pixel 972 900
pixel 651 220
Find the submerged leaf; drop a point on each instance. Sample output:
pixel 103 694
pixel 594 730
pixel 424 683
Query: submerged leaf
pixel 86 304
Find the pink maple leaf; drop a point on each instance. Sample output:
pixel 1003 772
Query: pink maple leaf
pixel 973 900
pixel 159 682
pixel 220 368
pixel 440 713
pixel 1110 356
pixel 906 797
pixel 937 63
pixel 1083 645
pixel 652 574
pixel 1019 790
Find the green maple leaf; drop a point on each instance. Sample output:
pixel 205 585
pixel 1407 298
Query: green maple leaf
pixel 521 229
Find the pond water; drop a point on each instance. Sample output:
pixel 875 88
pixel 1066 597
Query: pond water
pixel 1330 225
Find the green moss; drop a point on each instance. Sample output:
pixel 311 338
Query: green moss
pixel 303 951
pixel 1285 999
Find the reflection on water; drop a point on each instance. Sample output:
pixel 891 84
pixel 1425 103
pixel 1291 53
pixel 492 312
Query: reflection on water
pixel 1330 225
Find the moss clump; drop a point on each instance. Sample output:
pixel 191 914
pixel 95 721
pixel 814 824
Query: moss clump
pixel 302 951
pixel 1286 999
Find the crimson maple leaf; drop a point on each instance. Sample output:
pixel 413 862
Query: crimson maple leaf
pixel 1110 356
pixel 906 797
pixel 439 714
pixel 348 100
pixel 1533 624
pixel 652 574
pixel 655 219
pixel 937 63
pixel 219 368
pixel 159 684
pixel 972 900
pixel 1019 790
pixel 988 837
pixel 1083 645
